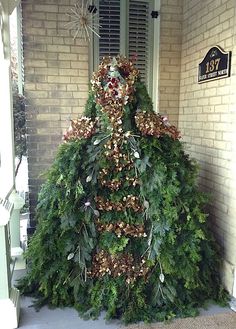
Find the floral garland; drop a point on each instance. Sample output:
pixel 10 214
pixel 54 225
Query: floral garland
pixel 153 124
pixel 121 228
pixel 113 85
pixel 117 265
pixel 129 202
pixel 115 184
pixel 80 128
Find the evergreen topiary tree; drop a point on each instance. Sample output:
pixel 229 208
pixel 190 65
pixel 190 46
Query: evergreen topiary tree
pixel 121 225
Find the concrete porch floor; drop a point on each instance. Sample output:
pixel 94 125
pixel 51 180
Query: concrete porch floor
pixel 57 318
pixel 214 318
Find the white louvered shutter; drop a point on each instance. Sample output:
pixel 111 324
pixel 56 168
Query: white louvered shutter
pixel 109 43
pixel 139 36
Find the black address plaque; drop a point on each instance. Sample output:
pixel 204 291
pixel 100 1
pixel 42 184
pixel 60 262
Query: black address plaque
pixel 215 65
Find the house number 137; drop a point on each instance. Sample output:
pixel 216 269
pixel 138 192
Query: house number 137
pixel 212 65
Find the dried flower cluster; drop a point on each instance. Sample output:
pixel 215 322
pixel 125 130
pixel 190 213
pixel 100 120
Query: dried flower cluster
pixel 80 128
pixel 129 202
pixel 113 83
pixel 153 124
pixel 115 184
pixel 117 265
pixel 121 228
pixel 113 86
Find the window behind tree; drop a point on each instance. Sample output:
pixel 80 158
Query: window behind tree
pixel 126 27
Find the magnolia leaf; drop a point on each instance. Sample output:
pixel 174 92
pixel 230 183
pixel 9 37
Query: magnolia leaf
pixel 96 213
pixel 146 204
pixel 162 277
pixel 70 256
pixel 150 236
pixel 89 178
pixel 96 142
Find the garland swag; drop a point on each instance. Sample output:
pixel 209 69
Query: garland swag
pixel 121 225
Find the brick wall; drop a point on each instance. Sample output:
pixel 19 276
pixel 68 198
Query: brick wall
pixel 56 82
pixel 207 114
pixel 170 57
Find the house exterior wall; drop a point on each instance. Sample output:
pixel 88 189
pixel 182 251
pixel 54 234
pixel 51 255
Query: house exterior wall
pixel 56 82
pixel 171 13
pixel 207 116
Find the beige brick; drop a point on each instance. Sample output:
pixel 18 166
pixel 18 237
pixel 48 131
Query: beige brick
pixel 209 134
pixel 79 50
pixel 66 110
pixel 46 71
pixel 48 117
pixel 63 32
pixel 36 31
pixel 80 95
pixel 213 117
pixel 64 64
pixel 72 87
pixel 46 102
pixel 78 110
pixel 64 9
pixel 227 15
pixel 37 94
pixel 46 8
pixel 210 92
pixel 37 24
pixel 220 145
pixel 68 57
pixel 58 48
pixel 52 32
pixel 60 94
pixel 222 126
pixel 47 86
pixel 57 79
pixel 62 18
pixel 79 80
pixel 51 16
pixel 83 58
pixel 50 24
pixel 37 16
pixel 69 102
pixel 30 86
pixel 215 100
pixel 79 65
pixel 203 101
pixel 58 40
pixel 69 72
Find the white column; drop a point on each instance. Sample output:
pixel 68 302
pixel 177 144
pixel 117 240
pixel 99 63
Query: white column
pixel 9 296
pixel 7 163
pixel 18 202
